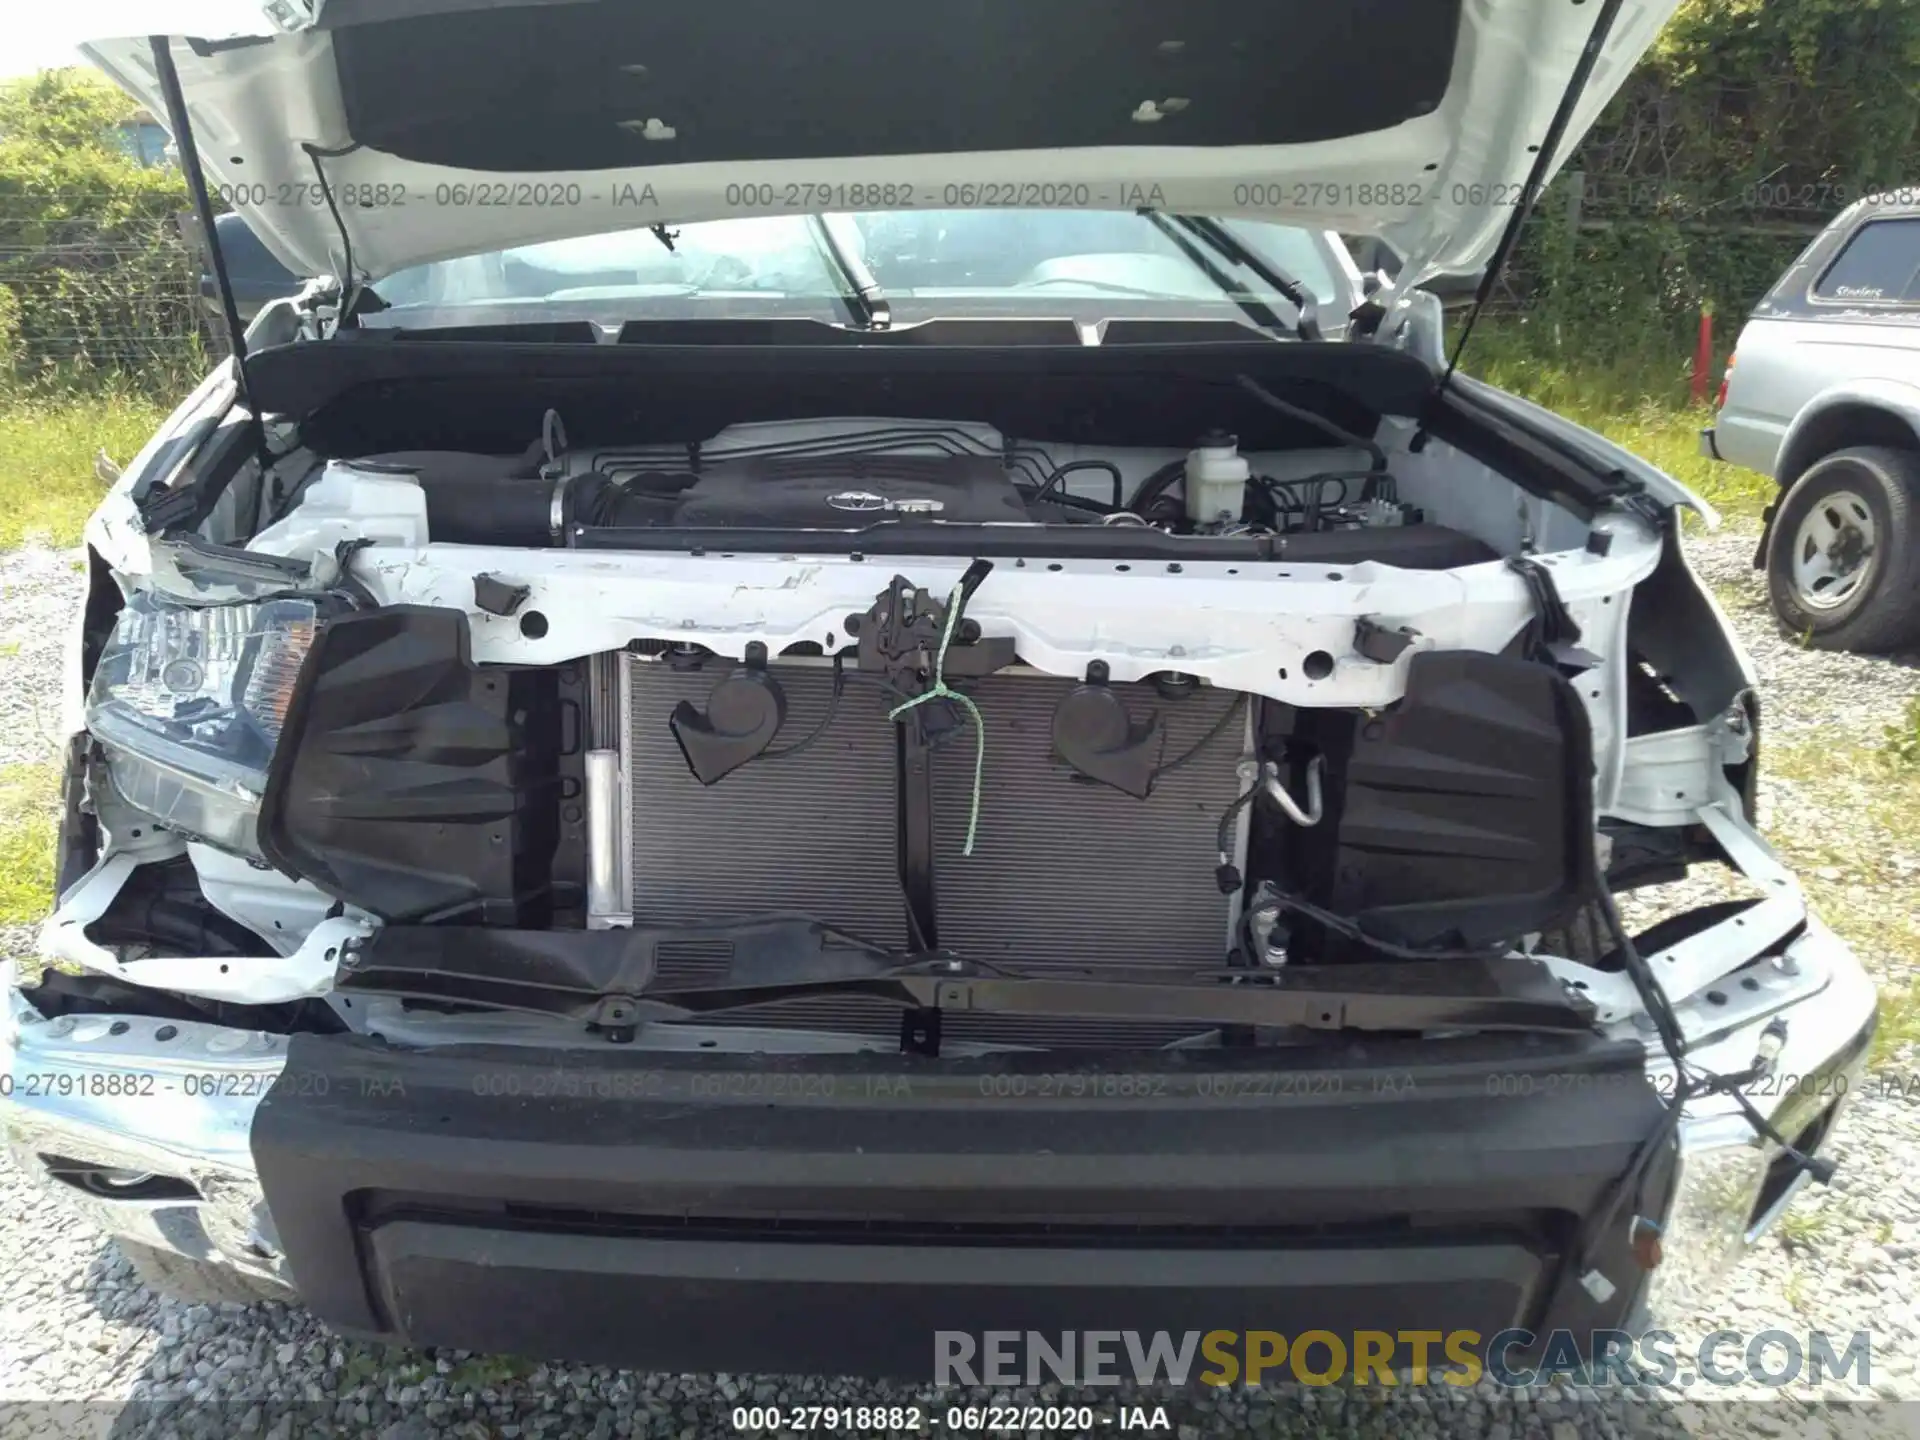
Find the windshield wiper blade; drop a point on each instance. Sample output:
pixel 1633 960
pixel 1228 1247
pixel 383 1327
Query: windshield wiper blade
pixel 1254 309
pixel 839 243
pixel 1229 245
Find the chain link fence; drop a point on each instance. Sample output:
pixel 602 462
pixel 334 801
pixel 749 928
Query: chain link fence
pixel 96 295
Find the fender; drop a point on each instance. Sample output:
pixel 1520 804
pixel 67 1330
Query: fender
pixel 1829 421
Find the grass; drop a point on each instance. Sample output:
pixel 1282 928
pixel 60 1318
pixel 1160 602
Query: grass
pixel 48 440
pixel 1636 396
pixel 29 818
pixel 1861 875
pixel 1902 744
pixel 1801 1225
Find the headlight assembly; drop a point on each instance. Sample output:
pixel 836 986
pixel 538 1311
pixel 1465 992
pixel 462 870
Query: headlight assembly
pixel 187 704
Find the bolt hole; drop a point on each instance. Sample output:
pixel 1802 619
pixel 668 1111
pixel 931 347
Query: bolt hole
pixel 1716 997
pixel 1749 983
pixel 1326 1017
pixel 1233 572
pixel 829 639
pixel 1335 575
pixel 278 926
pixel 1123 567
pixel 533 625
pixel 1317 666
pixel 165 1032
pixel 1283 672
pixel 223 969
pixel 331 953
pixel 119 1027
pixel 1055 566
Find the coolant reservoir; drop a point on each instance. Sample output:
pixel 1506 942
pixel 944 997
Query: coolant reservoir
pixel 350 501
pixel 1216 479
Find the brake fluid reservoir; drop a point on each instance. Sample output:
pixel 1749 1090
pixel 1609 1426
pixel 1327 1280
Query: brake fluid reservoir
pixel 1216 479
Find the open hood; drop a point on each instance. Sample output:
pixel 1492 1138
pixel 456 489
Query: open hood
pixel 405 131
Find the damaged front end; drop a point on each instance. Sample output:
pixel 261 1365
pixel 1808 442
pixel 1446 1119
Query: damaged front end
pixel 1041 843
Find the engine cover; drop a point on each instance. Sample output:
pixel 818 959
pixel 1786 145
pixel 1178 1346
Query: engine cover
pixel 841 492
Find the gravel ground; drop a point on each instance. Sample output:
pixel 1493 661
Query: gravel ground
pixel 85 1348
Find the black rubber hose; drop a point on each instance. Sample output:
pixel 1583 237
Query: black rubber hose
pixel 1119 482
pixel 1151 487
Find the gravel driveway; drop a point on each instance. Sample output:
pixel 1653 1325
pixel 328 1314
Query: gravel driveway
pixel 85 1349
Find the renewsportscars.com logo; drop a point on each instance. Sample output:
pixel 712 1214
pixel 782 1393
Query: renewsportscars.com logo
pixel 1513 1358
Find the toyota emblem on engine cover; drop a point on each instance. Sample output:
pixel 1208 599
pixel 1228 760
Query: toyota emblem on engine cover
pixel 866 500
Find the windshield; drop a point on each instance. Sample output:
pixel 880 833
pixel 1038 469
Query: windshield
pixel 928 263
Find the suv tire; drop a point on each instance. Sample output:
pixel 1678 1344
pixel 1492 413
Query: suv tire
pixel 1868 495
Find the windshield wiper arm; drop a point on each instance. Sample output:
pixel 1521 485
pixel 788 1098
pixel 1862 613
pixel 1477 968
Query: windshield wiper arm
pixel 1230 245
pixel 863 295
pixel 1183 230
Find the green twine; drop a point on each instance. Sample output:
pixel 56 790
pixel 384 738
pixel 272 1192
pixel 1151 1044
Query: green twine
pixel 955 602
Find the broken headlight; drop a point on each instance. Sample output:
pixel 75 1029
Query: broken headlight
pixel 187 704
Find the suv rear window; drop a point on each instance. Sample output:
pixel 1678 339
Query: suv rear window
pixel 1879 265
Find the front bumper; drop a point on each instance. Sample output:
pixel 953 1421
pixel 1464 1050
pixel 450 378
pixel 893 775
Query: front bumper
pixel 697 1212
pixel 144 1126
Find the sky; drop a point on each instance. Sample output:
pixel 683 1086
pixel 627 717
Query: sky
pixel 34 39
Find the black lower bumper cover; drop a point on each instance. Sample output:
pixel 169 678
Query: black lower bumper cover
pixel 830 1214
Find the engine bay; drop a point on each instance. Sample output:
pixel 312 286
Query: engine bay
pixel 1063 700
pixel 850 476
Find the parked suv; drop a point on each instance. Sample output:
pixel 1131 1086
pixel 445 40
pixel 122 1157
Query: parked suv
pixel 836 683
pixel 1823 394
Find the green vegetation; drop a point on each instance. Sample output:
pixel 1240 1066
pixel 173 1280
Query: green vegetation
pixel 97 275
pixel 48 441
pixel 1635 395
pixel 1861 875
pixel 28 794
pixel 1903 740
pixel 1800 1225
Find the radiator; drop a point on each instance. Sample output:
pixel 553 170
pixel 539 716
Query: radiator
pixel 1066 873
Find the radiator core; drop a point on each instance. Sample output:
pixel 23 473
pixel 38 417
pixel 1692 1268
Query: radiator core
pixel 1066 873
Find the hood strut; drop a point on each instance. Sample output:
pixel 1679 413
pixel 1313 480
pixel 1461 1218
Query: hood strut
pixel 1537 176
pixel 169 79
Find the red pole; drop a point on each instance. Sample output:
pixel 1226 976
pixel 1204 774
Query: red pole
pixel 1703 357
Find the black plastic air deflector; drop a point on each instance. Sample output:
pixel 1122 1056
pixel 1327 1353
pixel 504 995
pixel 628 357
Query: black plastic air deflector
pixel 1463 814
pixel 412 783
